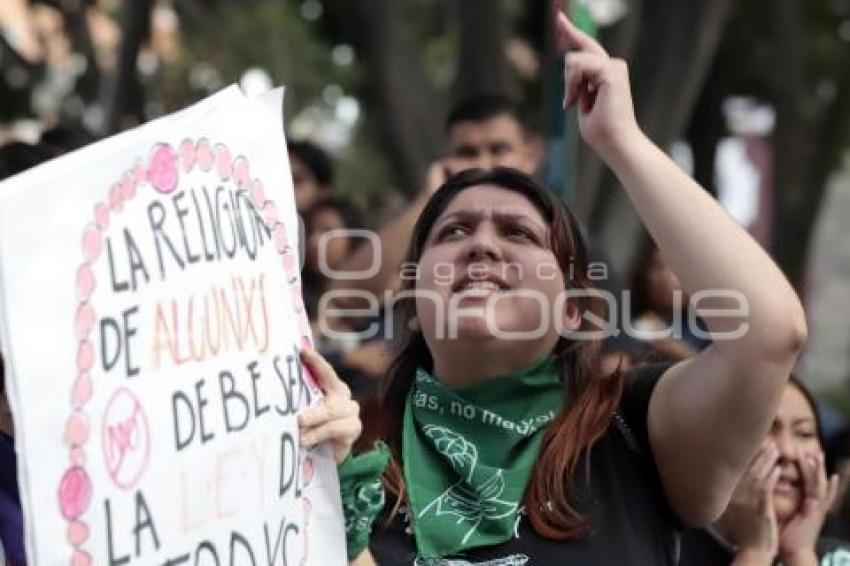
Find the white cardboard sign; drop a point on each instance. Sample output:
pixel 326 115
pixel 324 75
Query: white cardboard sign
pixel 152 314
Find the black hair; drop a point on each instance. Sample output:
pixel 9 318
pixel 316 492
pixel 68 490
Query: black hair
pixel 17 157
pixel 347 210
pixel 795 382
pixel 67 137
pixel 315 158
pixel 314 283
pixel 484 107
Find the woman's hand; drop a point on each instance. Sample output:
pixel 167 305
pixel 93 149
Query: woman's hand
pixel 798 537
pixel 336 418
pixel 750 520
pixel 600 86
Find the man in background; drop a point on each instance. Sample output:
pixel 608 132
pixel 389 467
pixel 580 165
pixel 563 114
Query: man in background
pixel 484 132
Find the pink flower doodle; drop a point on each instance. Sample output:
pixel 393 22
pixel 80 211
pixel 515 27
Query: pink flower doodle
pixel 75 490
pixel 162 168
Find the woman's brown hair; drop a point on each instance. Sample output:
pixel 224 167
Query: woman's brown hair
pixel 592 399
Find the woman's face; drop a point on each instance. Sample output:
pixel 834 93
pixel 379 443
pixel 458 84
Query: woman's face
pixel 334 248
pixel 487 272
pixel 794 431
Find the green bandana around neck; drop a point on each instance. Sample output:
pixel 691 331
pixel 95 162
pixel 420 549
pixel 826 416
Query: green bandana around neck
pixel 469 454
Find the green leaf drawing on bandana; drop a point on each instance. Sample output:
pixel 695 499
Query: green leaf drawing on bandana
pixel 461 453
pixel 489 492
pixel 472 504
pixel 464 500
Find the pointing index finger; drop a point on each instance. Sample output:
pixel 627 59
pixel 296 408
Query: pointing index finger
pixel 569 35
pixel 327 379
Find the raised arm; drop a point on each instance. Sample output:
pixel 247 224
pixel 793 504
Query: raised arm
pixel 707 415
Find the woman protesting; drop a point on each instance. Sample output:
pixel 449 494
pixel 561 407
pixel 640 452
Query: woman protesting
pixel 503 444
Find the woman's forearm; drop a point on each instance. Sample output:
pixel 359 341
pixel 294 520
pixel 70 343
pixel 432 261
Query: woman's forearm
pixel 711 412
pixel 708 413
pixel 708 250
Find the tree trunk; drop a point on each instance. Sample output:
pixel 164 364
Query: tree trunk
pixel 400 99
pixel 809 139
pixel 122 91
pixel 620 41
pixel 76 24
pixel 707 128
pixel 672 56
pixel 483 35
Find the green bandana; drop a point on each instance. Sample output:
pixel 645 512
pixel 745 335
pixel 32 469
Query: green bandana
pixel 363 495
pixel 468 455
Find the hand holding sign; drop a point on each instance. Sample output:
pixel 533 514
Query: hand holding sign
pixel 337 418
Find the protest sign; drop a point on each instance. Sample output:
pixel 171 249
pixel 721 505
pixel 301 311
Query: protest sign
pixel 152 316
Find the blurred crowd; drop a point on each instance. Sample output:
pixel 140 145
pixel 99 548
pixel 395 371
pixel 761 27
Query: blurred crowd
pixel 486 132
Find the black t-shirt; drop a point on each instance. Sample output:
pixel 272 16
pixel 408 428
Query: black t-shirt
pixel 701 548
pixel 630 518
